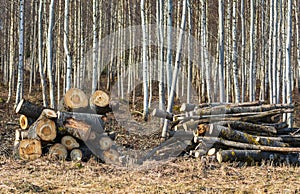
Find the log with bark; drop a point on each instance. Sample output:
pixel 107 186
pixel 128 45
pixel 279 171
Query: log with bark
pixel 30 149
pixel 75 100
pixel 44 127
pixel 252 156
pixel 29 109
pixel 25 122
pixel 229 134
pixel 232 144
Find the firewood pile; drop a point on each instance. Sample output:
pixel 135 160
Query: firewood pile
pixel 246 132
pixel 63 134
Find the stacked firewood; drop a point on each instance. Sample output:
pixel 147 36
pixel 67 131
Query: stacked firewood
pixel 247 132
pixel 63 134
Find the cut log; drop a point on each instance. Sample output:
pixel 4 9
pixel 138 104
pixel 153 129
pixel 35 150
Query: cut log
pixel 211 151
pixel 229 134
pixel 83 153
pixel 252 156
pixel 29 109
pixel 247 127
pixel 233 110
pixel 198 153
pixel 162 114
pixel 25 122
pixel 105 143
pixel 76 155
pixel 43 128
pixel 100 102
pixel 69 142
pixel 30 149
pixel 232 144
pixel 111 156
pixel 58 152
pixel 75 100
pixel 76 128
pixel 94 120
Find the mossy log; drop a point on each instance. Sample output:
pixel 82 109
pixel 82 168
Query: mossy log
pixel 29 109
pixel 232 144
pixel 253 156
pixel 75 100
pixel 30 149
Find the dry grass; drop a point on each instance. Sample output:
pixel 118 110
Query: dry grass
pixel 183 175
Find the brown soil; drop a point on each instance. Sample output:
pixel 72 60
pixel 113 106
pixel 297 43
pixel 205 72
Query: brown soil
pixel 180 175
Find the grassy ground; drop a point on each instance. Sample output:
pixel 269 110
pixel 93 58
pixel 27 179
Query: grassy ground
pixel 182 175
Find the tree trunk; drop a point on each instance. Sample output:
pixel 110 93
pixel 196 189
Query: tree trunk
pixel 221 51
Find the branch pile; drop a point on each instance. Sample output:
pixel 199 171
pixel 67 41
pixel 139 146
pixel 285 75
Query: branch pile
pixel 63 134
pixel 248 132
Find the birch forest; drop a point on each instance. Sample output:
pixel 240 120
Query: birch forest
pixel 234 50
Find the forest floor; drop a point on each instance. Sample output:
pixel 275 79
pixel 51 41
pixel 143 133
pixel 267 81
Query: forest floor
pixel 180 175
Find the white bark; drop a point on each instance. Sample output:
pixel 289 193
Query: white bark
pixel 40 53
pixel 221 51
pixel 243 71
pixel 50 55
pixel 66 47
pixel 95 47
pixel 234 53
pixel 177 67
pixel 11 54
pixel 252 76
pixel 169 49
pixel 274 60
pixel 288 61
pixel 20 84
pixel 190 55
pixel 145 60
pixel 270 51
pixel 161 67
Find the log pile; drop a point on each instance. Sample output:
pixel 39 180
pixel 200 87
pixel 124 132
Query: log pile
pixel 63 134
pixel 246 132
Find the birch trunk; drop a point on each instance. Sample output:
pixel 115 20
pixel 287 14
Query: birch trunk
pixel 252 76
pixel 50 55
pixel 95 52
pixel 234 53
pixel 12 54
pixel 221 51
pixel 66 47
pixel 177 67
pixel 20 82
pixel 169 45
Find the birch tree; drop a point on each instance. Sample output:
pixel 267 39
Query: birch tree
pixel 40 53
pixel 169 45
pixel 252 52
pixel 221 50
pixel 66 47
pixel 95 51
pixel 243 37
pixel 288 60
pixel 145 61
pixel 234 52
pixel 20 84
pixel 50 55
pixel 177 67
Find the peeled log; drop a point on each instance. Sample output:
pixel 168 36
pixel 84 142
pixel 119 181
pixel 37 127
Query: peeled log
pixel 75 99
pixel 69 142
pixel 29 109
pixel 252 156
pixel 30 149
pixel 25 122
pixel 58 152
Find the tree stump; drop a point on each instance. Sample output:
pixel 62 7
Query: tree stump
pixel 30 149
